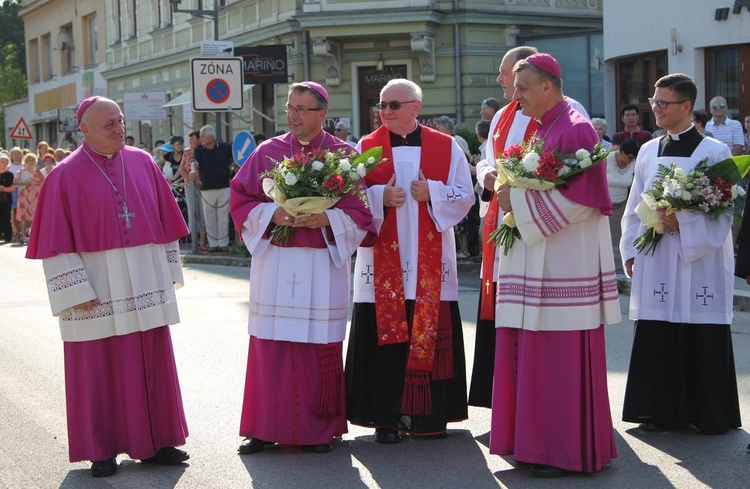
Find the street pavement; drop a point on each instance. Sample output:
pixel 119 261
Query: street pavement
pixel 211 350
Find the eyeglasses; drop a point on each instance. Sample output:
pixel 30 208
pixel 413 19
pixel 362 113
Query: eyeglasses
pixel 718 106
pixel 393 104
pixel 298 110
pixel 340 129
pixel 663 104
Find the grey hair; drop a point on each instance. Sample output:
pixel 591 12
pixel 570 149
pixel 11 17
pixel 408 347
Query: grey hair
pixel 599 120
pixel 4 156
pixel 416 90
pixel 446 121
pixel 208 131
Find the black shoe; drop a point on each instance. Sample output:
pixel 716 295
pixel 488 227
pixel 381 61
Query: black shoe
pixel 253 445
pixel 548 472
pixel 322 448
pixel 103 468
pixel 167 456
pixel 387 435
pixel 653 428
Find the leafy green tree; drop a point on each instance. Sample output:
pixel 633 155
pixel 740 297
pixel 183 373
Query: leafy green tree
pixel 12 57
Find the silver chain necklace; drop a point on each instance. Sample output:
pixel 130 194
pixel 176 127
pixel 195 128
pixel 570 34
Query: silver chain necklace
pixel 125 214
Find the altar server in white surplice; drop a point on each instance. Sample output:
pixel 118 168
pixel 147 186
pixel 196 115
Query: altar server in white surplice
pixel 682 365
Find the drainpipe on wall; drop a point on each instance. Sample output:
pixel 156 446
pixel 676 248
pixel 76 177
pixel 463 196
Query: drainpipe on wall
pixel 305 55
pixel 457 56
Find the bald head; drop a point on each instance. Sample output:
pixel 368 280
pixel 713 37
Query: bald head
pixel 103 126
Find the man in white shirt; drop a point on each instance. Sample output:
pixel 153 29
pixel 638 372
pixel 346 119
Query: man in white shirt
pixel 726 130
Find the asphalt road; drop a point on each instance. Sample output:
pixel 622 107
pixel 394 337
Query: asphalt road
pixel 211 347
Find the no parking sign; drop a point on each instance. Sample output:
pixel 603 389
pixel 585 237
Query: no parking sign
pixel 217 84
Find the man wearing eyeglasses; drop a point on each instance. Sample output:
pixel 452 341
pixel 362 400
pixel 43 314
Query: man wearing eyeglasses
pixel 405 366
pixel 342 132
pixel 299 291
pixel 681 370
pixel 726 130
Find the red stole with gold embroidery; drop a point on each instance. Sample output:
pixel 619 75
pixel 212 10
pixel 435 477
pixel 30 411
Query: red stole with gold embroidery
pixel 390 305
pixel 487 310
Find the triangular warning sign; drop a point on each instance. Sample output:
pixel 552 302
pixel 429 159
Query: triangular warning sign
pixel 21 130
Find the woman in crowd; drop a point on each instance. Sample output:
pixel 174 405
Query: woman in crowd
pixel 6 198
pixel 49 163
pixel 29 183
pixel 620 168
pixel 700 118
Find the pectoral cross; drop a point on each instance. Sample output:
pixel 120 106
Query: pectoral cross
pixel 293 282
pixel 125 214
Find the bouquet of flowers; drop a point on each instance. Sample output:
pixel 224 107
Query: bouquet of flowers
pixel 708 188
pixel 527 166
pixel 308 183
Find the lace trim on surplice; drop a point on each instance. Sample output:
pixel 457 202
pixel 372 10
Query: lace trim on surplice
pixel 66 280
pixel 123 306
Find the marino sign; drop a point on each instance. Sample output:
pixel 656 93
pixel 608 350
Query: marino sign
pixel 723 13
pixel 263 64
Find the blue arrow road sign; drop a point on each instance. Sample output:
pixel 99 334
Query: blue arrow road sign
pixel 242 146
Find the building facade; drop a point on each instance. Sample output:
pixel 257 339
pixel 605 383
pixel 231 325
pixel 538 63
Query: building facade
pixel 709 41
pixel 451 48
pixel 65 57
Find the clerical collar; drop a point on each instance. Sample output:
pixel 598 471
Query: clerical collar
pixel 676 136
pixel 414 138
pixel 682 144
pixel 104 155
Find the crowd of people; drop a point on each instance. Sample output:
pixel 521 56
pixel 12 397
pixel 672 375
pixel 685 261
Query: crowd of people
pixel 111 262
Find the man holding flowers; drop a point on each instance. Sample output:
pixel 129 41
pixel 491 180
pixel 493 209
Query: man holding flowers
pixel 682 366
pixel 556 289
pixel 405 366
pixel 299 281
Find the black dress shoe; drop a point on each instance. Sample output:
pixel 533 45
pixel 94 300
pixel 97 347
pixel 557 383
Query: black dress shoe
pixel 253 445
pixel 103 468
pixel 322 448
pixel 548 472
pixel 167 456
pixel 387 435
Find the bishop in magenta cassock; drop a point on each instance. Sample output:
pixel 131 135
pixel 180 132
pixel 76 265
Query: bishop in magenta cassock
pixel 405 367
pixel 107 229
pixel 299 292
pixel 555 289
pixel 681 370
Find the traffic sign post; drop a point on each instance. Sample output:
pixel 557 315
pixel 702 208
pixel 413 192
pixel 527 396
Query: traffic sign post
pixel 242 146
pixel 20 130
pixel 217 84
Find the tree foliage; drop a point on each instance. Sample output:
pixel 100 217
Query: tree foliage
pixel 12 42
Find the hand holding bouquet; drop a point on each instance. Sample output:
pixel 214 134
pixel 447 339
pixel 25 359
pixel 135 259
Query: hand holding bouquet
pixel 528 166
pixel 310 183
pixel 707 188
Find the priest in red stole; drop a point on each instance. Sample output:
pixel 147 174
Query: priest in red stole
pixel 299 292
pixel 509 126
pixel 107 229
pixel 405 366
pixel 556 289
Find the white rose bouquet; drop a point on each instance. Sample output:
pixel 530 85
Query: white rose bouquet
pixel 309 183
pixel 528 166
pixel 708 188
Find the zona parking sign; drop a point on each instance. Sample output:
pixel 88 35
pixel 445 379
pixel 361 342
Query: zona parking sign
pixel 217 84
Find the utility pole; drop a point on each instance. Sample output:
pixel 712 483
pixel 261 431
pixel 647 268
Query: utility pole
pixel 206 14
